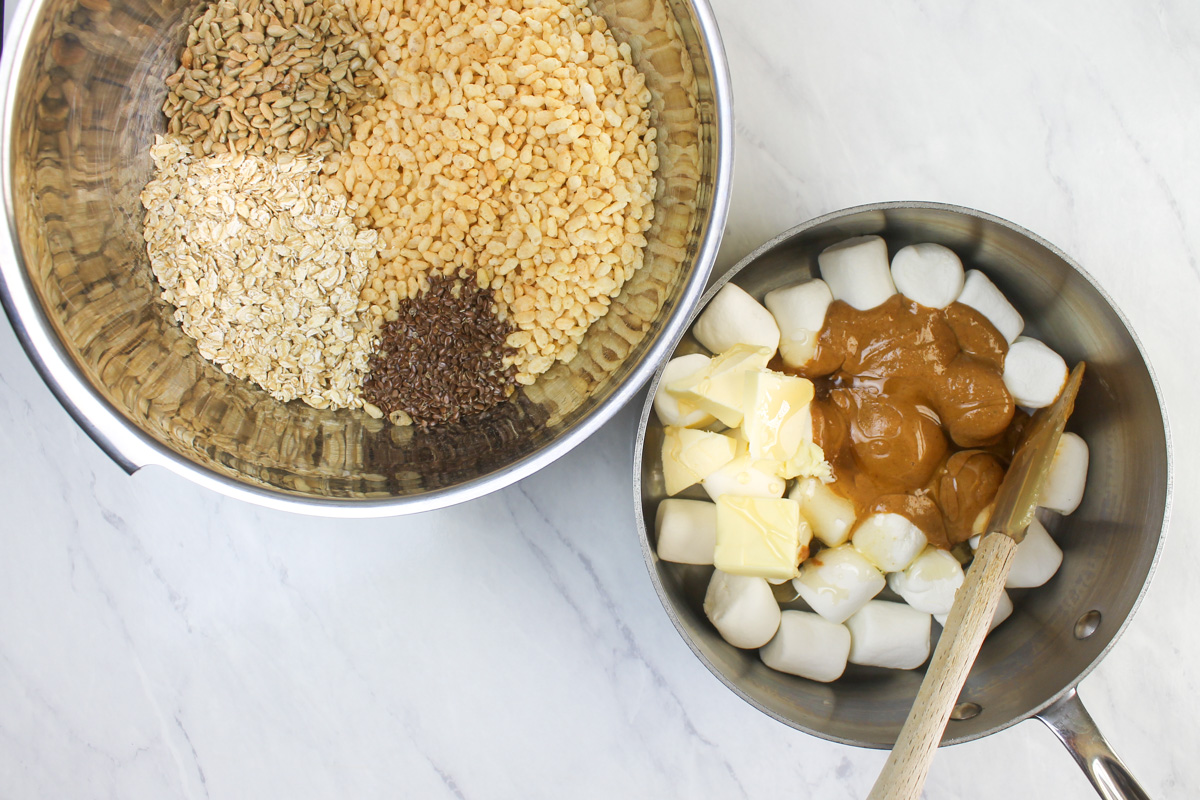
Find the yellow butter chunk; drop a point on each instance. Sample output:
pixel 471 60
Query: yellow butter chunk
pixel 777 416
pixel 778 422
pixel 760 537
pixel 719 388
pixel 689 456
pixel 809 462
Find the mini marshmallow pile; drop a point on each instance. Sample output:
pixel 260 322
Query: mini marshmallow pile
pixel 744 432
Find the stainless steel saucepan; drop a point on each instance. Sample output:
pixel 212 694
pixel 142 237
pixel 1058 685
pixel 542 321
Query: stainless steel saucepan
pixel 1058 633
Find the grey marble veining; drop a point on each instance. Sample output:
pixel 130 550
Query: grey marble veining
pixel 158 640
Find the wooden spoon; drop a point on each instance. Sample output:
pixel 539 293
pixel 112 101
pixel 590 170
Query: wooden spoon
pixel 975 603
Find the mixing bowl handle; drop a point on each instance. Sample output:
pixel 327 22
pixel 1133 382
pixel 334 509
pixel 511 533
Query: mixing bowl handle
pixel 95 415
pixel 1072 724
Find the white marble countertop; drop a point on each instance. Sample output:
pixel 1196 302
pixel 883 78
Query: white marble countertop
pixel 158 640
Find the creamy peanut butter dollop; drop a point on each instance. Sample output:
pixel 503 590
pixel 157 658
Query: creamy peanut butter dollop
pixel 912 412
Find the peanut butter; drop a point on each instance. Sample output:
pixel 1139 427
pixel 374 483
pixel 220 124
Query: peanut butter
pixel 912 412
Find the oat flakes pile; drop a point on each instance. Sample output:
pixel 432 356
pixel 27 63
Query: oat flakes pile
pixel 265 269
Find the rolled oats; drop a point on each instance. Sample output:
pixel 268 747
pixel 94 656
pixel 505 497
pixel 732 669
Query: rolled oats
pixel 265 269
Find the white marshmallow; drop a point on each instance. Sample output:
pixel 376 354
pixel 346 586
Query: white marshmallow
pixel 1033 373
pixel 666 405
pixel 734 317
pixel 800 313
pixel 686 531
pixel 742 609
pixel 1036 560
pixel 808 645
pixel 929 583
pixel 1004 608
pixel 741 477
pixel 891 635
pixel 930 274
pixel 857 271
pixel 1068 475
pixel 889 541
pixel 982 295
pixel 830 515
pixel 838 581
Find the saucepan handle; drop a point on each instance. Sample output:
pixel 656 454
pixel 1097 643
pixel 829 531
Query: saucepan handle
pixel 1072 724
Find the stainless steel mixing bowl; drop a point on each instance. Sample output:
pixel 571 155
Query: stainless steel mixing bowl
pixel 1030 665
pixel 81 85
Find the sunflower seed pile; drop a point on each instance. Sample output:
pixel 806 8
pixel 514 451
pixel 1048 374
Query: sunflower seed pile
pixel 267 76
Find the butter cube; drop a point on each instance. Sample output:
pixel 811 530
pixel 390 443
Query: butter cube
pixel 778 425
pixel 760 537
pixel 778 421
pixel 809 462
pixel 689 456
pixel 719 389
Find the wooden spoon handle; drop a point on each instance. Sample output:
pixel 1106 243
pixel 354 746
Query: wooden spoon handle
pixel 904 773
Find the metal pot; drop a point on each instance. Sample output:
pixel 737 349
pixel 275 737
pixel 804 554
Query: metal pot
pixel 81 85
pixel 1031 664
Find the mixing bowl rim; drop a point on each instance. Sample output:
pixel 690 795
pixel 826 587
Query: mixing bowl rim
pixel 127 444
pixel 648 555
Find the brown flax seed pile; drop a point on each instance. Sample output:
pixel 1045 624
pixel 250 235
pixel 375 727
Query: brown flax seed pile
pixel 443 357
